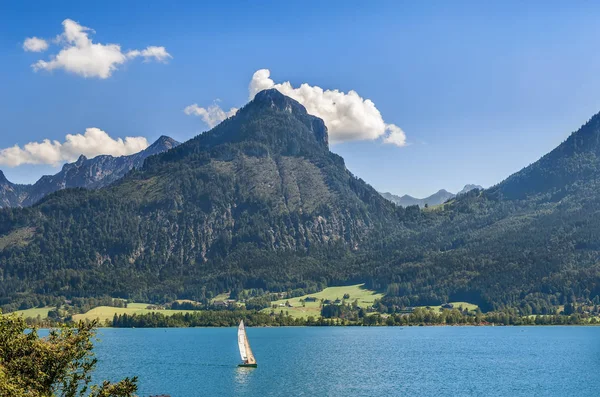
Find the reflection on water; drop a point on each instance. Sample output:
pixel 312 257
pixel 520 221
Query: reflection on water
pixel 243 376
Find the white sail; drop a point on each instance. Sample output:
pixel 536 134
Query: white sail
pixel 244 345
pixel 242 341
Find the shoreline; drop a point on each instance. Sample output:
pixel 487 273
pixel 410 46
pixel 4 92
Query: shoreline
pixel 370 326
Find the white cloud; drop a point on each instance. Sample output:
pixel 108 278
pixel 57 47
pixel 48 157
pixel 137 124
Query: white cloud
pixel 81 56
pixel 34 44
pixel 260 81
pixel 159 54
pixel 395 135
pixel 91 143
pixel 348 116
pixel 212 115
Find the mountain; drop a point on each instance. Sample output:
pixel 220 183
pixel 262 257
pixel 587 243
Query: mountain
pixel 573 165
pixel 10 193
pixel 532 242
pixel 441 196
pixel 259 201
pixel 435 199
pixel 468 188
pixel 87 173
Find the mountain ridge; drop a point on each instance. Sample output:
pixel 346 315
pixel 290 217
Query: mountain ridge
pixel 91 173
pixel 529 243
pixel 574 160
pixel 437 198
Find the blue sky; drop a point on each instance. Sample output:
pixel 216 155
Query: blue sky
pixel 480 90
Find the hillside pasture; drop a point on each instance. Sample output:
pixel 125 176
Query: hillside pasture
pixel 103 313
pixel 364 296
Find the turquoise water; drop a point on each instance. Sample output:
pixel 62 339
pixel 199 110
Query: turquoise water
pixel 412 361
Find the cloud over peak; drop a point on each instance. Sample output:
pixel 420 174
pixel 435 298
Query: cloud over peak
pixel 91 143
pixel 348 116
pixel 81 56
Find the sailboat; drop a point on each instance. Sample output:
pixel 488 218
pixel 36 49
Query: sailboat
pixel 248 359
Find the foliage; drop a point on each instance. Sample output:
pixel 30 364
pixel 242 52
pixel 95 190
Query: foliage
pixel 59 365
pixel 349 315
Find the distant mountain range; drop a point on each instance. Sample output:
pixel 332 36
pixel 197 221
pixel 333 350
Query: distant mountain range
pixel 441 196
pixel 93 173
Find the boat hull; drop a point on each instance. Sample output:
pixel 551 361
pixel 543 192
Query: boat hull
pixel 248 365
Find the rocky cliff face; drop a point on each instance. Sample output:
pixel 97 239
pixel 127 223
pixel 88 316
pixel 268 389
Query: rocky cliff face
pixel 10 194
pixel 269 165
pixel 93 173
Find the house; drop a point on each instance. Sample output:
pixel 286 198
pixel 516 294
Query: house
pixel 447 306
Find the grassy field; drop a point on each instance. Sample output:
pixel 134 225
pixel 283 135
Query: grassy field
pixel 365 299
pixel 19 237
pixel 465 305
pixel 220 297
pixel 33 313
pixel 104 313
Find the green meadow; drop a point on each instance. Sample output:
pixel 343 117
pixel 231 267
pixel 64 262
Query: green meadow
pixel 33 313
pixel 103 313
pixel 220 297
pixel 365 298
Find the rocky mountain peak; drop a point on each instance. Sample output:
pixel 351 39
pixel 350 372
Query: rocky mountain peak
pixel 469 187
pixel 274 99
pixel 3 180
pixel 164 142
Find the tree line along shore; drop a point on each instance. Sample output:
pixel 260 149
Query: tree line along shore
pixel 253 318
pixel 352 305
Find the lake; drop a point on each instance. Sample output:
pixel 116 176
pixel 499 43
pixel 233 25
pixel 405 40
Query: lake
pixel 338 361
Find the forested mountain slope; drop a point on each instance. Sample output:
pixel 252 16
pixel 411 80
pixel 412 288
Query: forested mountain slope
pixel 531 241
pixel 257 201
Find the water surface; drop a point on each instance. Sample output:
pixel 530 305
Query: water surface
pixel 378 361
